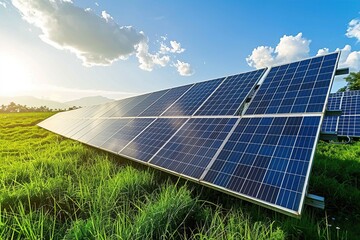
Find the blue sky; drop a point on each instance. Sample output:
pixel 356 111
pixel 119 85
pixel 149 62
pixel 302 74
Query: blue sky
pixel 68 50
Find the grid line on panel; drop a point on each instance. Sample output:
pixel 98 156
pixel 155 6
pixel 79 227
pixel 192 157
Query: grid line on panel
pixel 143 105
pixel 102 133
pixel 166 101
pixel 146 144
pixel 123 107
pixel 190 102
pixel 267 159
pixel 298 87
pixel 127 133
pixel 219 150
pixel 190 150
pixel 231 94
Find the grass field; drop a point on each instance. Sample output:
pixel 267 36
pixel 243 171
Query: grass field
pixel 56 188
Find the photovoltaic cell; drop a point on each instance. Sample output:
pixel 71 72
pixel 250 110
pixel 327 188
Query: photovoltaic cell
pixel 227 99
pixel 267 159
pixel 123 136
pixel 351 103
pixel 349 126
pixel 125 105
pixel 165 101
pixel 191 101
pixel 299 87
pixel 150 100
pixel 144 146
pixel 348 123
pixel 104 131
pixel 191 149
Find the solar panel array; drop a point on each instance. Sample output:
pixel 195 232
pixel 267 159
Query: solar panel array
pixel 198 131
pixel 348 124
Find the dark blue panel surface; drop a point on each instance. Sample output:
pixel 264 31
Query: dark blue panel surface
pixel 127 133
pixel 350 104
pixel 299 87
pixel 267 159
pixel 329 124
pixel 147 102
pixel 104 131
pixel 227 99
pixel 191 101
pixel 165 101
pixel 191 149
pixel 349 126
pixel 144 146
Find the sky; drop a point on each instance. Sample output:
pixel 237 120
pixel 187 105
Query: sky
pixel 63 50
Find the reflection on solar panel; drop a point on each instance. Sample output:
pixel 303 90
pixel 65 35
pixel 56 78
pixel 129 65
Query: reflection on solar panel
pixel 299 87
pixel 197 131
pixel 122 137
pixel 348 124
pixel 191 149
pixel 192 99
pixel 165 101
pixel 231 94
pixel 149 142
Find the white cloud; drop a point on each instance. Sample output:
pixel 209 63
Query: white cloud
pixel 89 36
pixel 3 4
pixel 322 51
pixel 96 40
pixel 183 68
pixel 350 59
pixel 353 30
pixel 96 4
pixel 147 60
pixel 290 48
pixel 107 16
pixel 175 47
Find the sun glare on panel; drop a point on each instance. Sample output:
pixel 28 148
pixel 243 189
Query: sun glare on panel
pixel 15 76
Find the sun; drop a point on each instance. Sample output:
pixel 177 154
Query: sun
pixel 15 77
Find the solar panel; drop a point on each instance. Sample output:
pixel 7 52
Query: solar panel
pixel 348 123
pixel 123 136
pixel 165 101
pixel 196 131
pixel 125 106
pixel 349 126
pixel 192 99
pixel 144 146
pixel 191 149
pixel 103 132
pixel 150 100
pixel 267 160
pixel 299 87
pixel 231 94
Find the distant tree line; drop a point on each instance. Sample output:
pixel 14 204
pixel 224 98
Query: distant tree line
pixel 13 107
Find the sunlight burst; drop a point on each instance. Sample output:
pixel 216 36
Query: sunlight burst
pixel 15 77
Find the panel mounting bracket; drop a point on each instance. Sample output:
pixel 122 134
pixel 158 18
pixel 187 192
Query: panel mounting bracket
pixel 336 112
pixel 341 71
pixel 315 201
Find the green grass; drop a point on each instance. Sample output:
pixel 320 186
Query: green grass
pixel 56 188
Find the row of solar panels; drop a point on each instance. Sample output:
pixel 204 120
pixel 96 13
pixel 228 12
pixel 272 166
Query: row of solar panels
pixel 348 124
pixel 196 131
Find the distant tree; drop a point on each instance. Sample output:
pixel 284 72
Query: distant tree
pixel 353 82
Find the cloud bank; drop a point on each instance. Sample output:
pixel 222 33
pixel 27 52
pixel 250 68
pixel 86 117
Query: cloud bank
pixel 353 30
pixel 290 48
pixel 95 39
